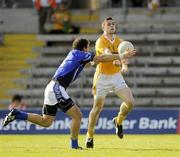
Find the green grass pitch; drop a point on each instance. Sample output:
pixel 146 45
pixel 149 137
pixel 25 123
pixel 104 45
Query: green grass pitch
pixel 105 146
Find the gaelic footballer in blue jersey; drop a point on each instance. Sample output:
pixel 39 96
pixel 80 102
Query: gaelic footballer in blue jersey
pixel 55 95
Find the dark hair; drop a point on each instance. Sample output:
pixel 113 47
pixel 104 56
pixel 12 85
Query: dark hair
pixel 108 18
pixel 80 43
pixel 16 98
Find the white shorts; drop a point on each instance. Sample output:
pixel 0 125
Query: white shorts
pixel 53 93
pixel 109 83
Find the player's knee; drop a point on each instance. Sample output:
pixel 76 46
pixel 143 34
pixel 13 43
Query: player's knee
pixel 47 123
pixel 78 116
pixel 130 104
pixel 98 105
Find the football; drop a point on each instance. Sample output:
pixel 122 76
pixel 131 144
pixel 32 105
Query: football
pixel 124 46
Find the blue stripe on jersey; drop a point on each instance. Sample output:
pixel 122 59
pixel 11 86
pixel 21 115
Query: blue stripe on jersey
pixel 72 66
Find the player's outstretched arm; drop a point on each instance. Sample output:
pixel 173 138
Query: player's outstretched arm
pixel 106 58
pixel 112 57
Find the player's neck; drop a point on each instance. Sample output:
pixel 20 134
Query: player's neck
pixel 110 36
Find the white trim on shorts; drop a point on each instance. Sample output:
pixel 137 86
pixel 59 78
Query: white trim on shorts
pixel 50 95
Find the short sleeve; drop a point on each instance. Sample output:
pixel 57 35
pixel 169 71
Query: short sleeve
pixel 85 56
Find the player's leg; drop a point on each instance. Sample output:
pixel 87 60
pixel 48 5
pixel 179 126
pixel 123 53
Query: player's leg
pixel 128 102
pixel 93 117
pixel 49 111
pixel 44 120
pixel 47 117
pixel 94 114
pixel 66 104
pixel 76 115
pixel 126 96
pixel 102 88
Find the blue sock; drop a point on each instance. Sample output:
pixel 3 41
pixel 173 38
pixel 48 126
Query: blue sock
pixel 22 115
pixel 74 143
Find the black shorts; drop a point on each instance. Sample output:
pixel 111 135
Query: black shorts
pixel 63 104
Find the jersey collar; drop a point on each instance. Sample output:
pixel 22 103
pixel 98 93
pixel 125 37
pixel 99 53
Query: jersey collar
pixel 111 41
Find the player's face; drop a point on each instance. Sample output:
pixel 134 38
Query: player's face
pixel 110 27
pixel 87 49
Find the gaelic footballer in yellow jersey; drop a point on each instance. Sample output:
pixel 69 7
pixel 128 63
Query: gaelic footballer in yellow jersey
pixel 108 78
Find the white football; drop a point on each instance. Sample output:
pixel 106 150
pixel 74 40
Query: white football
pixel 124 46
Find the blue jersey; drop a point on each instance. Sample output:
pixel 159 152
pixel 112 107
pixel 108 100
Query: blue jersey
pixel 72 66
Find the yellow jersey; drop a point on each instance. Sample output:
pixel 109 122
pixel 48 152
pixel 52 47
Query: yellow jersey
pixel 107 68
pixel 102 44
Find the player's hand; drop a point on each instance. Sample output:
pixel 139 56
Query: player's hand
pixel 120 62
pixel 124 61
pixel 129 54
pixel 117 63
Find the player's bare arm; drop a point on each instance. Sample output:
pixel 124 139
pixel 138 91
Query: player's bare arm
pixel 106 58
pixel 112 57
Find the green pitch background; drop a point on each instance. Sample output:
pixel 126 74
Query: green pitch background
pixel 105 146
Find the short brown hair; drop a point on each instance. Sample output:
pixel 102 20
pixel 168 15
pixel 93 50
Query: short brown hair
pixel 80 43
pixel 108 18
